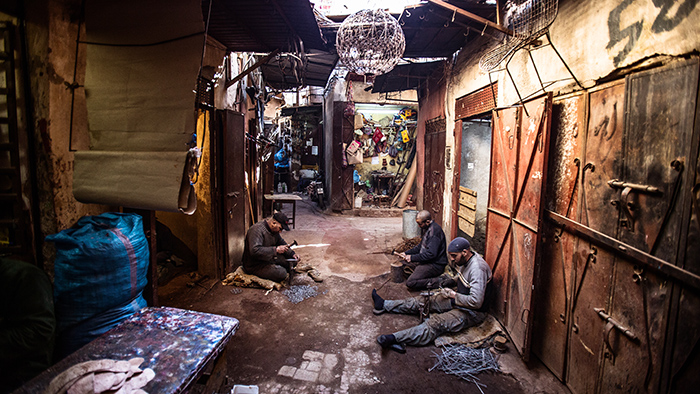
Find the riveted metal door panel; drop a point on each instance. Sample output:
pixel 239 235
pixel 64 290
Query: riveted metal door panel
pixel 234 194
pixel 659 129
pixel 528 169
pixel 593 266
pixel 527 213
pixel 553 297
pixel 434 176
pixel 501 189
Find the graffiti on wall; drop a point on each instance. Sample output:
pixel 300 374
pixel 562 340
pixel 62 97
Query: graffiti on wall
pixel 669 16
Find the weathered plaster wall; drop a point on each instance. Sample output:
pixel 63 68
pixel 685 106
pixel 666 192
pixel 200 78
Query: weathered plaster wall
pixel 52 28
pixel 594 38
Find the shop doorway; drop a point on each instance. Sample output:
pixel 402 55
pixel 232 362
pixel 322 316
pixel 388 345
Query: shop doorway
pixel 475 169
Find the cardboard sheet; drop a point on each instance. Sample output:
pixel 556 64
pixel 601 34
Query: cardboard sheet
pixel 142 64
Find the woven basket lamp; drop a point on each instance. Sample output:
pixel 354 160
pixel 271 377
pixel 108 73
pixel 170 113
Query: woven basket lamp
pixel 370 42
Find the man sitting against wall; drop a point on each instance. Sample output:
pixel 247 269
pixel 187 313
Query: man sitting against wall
pixel 429 258
pixel 268 256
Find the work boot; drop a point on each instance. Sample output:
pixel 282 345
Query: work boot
pixel 315 275
pixel 378 303
pixel 303 267
pixel 389 342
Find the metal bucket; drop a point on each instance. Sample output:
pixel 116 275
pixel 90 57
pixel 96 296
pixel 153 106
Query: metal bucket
pixel 410 227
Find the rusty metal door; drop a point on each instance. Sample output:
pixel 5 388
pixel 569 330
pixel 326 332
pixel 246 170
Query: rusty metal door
pixel 434 176
pixel 234 194
pixel 626 293
pixel 518 174
pixel 553 298
pixel 341 181
pixel 592 264
pixel 657 146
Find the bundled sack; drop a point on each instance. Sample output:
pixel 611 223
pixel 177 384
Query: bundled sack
pixel 100 272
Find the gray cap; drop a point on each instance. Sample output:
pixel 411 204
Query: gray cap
pixel 458 244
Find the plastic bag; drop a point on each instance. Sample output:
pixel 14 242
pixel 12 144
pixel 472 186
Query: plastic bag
pixel 100 272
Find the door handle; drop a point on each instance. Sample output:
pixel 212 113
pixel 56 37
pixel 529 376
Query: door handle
pixel 611 324
pixel 608 319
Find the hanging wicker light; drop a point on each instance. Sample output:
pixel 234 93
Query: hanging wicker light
pixel 370 42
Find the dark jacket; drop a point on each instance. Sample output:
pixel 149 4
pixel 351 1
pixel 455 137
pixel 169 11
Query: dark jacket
pixel 432 248
pixel 27 323
pixel 260 245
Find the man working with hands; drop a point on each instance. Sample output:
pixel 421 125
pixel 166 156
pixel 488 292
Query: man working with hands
pixel 428 259
pixel 266 254
pixel 451 311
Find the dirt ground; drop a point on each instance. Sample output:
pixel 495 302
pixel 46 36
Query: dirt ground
pixel 327 343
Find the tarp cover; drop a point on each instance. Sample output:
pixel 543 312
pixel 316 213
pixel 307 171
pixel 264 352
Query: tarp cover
pixel 142 64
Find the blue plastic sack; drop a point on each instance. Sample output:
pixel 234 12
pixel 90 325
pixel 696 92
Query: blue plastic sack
pixel 101 264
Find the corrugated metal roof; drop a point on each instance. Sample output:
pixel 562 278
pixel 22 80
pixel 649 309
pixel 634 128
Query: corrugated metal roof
pixel 404 77
pixel 279 74
pixel 433 31
pixel 263 25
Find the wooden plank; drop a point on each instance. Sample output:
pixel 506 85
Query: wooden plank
pixel 468 204
pixel 467 214
pixel 467 199
pixel 466 190
pixel 467 227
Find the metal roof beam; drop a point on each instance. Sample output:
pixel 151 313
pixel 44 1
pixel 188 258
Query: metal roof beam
pixel 471 16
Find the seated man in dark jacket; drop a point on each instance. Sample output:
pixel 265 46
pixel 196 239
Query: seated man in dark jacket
pixel 450 311
pixel 27 323
pixel 266 254
pixel 428 258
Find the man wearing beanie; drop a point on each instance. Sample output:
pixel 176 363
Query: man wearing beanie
pixel 450 311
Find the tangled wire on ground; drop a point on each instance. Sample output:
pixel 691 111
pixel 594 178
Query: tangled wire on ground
pixel 465 362
pixel 299 293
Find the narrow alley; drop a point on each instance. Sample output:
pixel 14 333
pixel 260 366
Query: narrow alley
pixel 277 337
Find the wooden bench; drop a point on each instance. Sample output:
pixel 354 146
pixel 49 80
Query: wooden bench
pixel 286 199
pixel 179 345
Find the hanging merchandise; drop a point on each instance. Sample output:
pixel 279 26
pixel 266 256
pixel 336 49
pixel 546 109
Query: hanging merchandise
pixel 356 157
pixel 353 147
pixel 359 121
pixel 377 137
pixel 393 151
pixel 408 114
pixel 404 135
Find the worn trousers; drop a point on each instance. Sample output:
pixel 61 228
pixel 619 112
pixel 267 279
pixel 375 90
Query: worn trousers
pixel 276 271
pixel 425 276
pixel 443 318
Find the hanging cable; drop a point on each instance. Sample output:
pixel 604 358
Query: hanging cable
pixel 199 151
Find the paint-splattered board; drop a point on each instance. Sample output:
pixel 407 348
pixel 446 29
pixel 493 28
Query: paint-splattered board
pixel 177 344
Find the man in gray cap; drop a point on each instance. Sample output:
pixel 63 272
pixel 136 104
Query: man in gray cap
pixel 266 253
pixel 450 311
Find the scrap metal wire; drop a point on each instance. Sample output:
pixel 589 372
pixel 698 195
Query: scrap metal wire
pixel 298 293
pixel 465 362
